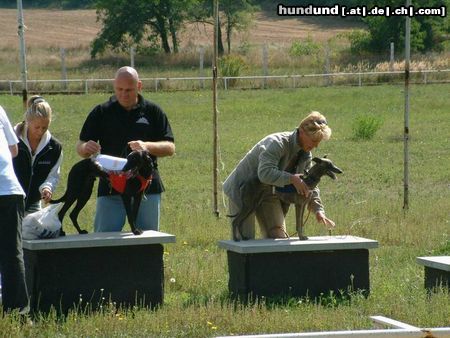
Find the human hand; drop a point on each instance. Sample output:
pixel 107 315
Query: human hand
pixel 46 195
pixel 91 147
pixel 321 218
pixel 300 185
pixel 137 145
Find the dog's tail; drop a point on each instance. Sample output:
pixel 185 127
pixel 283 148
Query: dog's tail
pixel 61 199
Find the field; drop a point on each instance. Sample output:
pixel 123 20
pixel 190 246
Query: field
pixel 366 201
pixel 49 30
pixel 77 28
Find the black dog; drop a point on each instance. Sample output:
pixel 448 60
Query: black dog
pixel 251 192
pixel 138 170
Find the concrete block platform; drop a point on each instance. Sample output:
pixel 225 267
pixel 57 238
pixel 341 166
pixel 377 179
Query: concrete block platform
pixel 290 267
pixel 437 271
pixel 76 271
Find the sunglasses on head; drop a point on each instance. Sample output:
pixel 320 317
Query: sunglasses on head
pixel 37 99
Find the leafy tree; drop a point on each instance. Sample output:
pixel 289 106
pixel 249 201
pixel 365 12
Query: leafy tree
pixel 125 22
pixel 203 14
pixel 427 32
pixel 238 14
pixel 235 14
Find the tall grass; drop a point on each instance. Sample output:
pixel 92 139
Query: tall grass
pixel 366 201
pixel 309 57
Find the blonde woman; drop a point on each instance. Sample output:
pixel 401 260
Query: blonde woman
pixel 37 165
pixel 277 160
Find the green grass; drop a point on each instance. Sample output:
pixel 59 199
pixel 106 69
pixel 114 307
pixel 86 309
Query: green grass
pixel 365 201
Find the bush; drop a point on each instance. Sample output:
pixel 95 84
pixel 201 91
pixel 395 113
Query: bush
pixel 359 41
pixel 365 127
pixel 305 47
pixel 231 65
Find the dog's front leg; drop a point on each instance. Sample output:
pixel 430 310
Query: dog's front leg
pixel 299 212
pixel 136 203
pixel 132 210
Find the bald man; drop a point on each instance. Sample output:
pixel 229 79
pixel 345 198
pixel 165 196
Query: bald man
pixel 124 123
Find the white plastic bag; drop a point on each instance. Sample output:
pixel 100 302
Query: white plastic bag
pixel 43 223
pixel 111 163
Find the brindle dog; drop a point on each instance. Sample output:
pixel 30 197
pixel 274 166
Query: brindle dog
pixel 251 192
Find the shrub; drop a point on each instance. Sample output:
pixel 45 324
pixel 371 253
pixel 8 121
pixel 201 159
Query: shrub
pixel 365 127
pixel 305 47
pixel 231 65
pixel 359 41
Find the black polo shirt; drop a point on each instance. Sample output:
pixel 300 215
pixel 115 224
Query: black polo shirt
pixel 113 127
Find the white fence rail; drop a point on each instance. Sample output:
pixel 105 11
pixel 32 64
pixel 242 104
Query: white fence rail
pixel 397 330
pixel 86 86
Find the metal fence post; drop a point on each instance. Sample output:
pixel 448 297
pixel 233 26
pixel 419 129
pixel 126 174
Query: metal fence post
pixel 391 60
pixel 265 62
pixel 327 65
pixel 201 73
pixel 132 54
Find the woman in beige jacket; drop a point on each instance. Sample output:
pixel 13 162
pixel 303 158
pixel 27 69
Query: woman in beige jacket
pixel 271 160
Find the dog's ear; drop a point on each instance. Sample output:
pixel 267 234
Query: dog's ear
pixel 317 159
pixel 131 161
pixel 336 169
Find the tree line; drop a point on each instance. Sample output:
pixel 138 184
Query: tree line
pixel 157 23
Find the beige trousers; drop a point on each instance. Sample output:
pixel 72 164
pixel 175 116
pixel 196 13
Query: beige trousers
pixel 270 215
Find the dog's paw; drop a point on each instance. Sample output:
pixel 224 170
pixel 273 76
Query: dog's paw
pixel 137 231
pixel 302 237
pixel 83 232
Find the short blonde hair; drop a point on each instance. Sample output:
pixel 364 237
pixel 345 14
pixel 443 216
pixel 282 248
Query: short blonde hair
pixel 37 107
pixel 316 127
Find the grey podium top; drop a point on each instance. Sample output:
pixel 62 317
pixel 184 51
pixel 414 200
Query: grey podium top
pixel 319 243
pixel 436 262
pixel 99 239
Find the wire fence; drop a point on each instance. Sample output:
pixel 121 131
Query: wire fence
pixel 88 86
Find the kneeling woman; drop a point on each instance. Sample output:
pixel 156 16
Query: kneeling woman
pixel 37 165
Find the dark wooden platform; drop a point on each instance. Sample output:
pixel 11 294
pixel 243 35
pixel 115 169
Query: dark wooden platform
pixel 89 271
pixel 437 271
pixel 290 267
